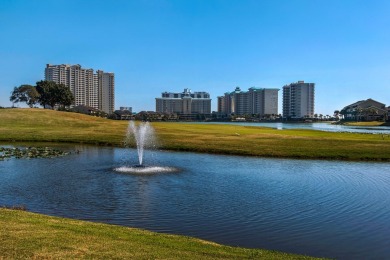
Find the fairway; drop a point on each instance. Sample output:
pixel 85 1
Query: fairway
pixel 54 126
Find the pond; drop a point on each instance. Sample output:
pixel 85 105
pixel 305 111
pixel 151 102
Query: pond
pixel 319 208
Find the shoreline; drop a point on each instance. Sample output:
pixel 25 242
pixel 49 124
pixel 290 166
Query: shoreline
pixel 270 156
pixel 368 123
pixel 34 235
pixel 38 125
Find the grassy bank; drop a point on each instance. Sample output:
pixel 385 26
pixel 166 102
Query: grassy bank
pixel 54 126
pixel 28 235
pixel 373 123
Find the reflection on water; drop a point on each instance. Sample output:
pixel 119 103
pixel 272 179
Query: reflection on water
pixel 320 208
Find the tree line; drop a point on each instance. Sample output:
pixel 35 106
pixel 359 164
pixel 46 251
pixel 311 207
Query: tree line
pixel 46 93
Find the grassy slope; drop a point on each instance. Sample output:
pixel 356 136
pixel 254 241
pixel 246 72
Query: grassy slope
pixel 46 125
pixel 29 235
pixel 56 126
pixel 373 123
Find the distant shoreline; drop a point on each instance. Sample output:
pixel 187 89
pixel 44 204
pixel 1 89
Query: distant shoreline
pixel 372 123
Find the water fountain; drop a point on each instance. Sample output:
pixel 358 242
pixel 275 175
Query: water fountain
pixel 144 138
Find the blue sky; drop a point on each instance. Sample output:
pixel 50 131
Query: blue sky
pixel 206 45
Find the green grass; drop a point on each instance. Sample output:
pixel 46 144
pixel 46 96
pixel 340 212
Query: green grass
pixel 54 126
pixel 29 235
pixel 372 123
pixel 267 142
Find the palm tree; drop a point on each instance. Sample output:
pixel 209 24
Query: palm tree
pixel 343 112
pixel 369 111
pixel 336 114
pixel 358 112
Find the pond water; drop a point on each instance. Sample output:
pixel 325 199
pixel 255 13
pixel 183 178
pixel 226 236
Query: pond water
pixel 328 127
pixel 319 208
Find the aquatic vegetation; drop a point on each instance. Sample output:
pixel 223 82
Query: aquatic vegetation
pixel 30 152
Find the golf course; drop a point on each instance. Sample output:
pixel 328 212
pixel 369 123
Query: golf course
pixel 25 234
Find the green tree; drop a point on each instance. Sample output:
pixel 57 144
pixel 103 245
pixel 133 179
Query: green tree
pixel 344 112
pixel 52 94
pixel 336 113
pixel 370 111
pixel 358 113
pixel 64 95
pixel 45 88
pixel 25 93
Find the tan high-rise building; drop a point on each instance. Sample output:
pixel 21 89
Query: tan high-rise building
pixel 106 97
pixel 89 89
pixel 259 101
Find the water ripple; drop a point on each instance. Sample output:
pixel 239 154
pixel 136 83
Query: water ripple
pixel 319 208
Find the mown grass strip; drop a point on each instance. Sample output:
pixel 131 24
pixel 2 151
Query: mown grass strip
pixel 29 235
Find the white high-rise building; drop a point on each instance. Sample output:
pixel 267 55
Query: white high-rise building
pixel 298 100
pixel 186 102
pixel 89 89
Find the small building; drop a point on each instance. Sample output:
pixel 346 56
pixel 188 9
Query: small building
pixel 87 110
pixel 367 110
pixel 124 113
pixel 126 108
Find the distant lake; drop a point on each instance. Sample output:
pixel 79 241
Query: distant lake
pixel 314 126
pixel 319 208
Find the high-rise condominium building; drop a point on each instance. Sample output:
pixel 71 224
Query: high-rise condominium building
pixel 186 102
pixel 260 101
pixel 298 100
pixel 88 88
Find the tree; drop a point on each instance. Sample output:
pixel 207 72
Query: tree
pixel 45 88
pixel 344 112
pixel 336 114
pixel 52 94
pixel 358 113
pixel 64 95
pixel 25 93
pixel 369 111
